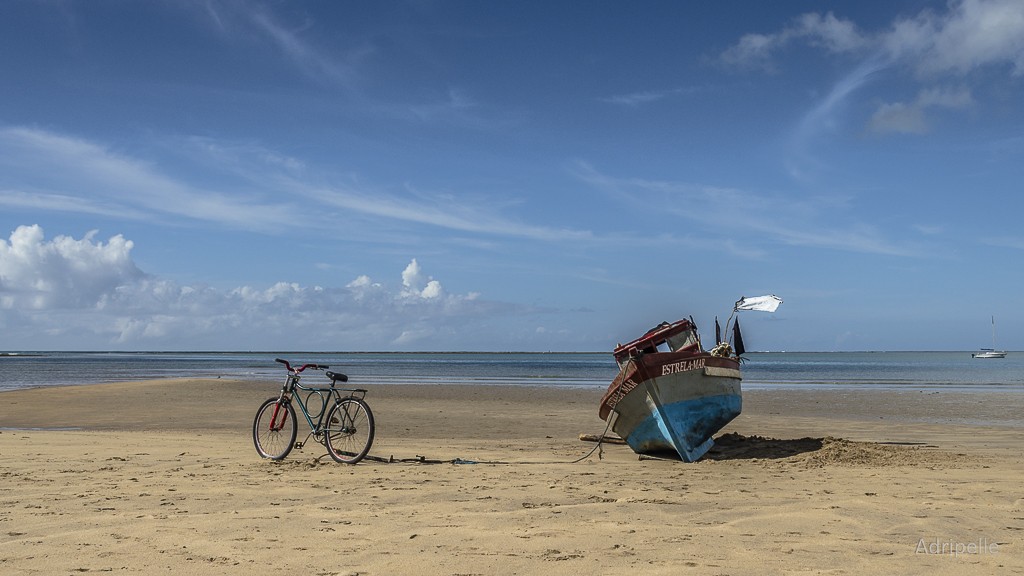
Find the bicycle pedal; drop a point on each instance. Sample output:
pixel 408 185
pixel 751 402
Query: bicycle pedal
pixel 298 445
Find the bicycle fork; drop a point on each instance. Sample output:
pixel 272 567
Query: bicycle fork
pixel 274 424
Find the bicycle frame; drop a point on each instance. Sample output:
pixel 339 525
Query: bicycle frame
pixel 293 390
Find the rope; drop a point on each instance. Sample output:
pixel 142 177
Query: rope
pixel 598 447
pixel 424 460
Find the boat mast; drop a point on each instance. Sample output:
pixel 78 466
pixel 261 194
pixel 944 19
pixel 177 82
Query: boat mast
pixel 993 332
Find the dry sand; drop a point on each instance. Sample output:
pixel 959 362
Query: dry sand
pixel 157 476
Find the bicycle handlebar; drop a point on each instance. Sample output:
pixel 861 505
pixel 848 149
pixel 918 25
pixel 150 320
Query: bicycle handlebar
pixel 288 366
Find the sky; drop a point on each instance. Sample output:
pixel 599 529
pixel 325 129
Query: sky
pixel 509 176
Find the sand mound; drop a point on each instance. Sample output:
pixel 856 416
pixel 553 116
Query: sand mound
pixel 829 451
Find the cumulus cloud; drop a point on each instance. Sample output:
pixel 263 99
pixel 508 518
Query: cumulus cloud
pixel 64 272
pixel 413 279
pixel 66 290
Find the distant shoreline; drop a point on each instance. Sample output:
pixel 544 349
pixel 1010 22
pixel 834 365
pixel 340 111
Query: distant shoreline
pixel 463 352
pixel 279 352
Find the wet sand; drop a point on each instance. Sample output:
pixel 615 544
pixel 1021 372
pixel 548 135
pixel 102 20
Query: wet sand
pixel 162 475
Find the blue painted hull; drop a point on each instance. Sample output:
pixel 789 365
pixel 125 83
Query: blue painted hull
pixel 686 427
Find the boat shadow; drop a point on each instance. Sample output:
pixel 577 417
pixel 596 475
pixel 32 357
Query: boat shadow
pixel 733 446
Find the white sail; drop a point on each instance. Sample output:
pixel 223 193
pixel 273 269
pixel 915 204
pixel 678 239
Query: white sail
pixel 769 303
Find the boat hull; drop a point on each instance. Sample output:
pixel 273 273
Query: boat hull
pixel 989 354
pixel 675 403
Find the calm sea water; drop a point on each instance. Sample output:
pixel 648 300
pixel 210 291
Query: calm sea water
pixel 889 370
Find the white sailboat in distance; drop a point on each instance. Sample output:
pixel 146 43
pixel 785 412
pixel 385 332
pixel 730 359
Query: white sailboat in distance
pixel 990 352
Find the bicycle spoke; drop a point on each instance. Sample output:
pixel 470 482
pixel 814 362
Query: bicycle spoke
pixel 273 432
pixel 350 431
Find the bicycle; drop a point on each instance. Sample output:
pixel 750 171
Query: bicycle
pixel 346 430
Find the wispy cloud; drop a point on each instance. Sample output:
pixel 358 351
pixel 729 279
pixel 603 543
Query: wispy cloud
pixel 458 214
pixel 748 218
pixel 822 115
pixel 636 99
pixel 313 62
pixel 253 21
pixel 46 202
pixel 342 61
pixel 1014 242
pixel 970 35
pixel 106 181
pixel 94 179
pixel 824 118
pixel 455 102
pixel 909 118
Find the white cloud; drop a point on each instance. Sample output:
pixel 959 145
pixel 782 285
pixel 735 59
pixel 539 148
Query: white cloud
pixel 361 282
pixel 833 34
pixel 971 34
pixel 62 273
pixel 89 293
pixel 413 279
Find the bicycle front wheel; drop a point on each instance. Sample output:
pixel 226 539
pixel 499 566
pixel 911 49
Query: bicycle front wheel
pixel 349 431
pixel 274 429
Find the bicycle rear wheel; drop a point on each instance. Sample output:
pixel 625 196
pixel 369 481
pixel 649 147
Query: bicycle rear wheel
pixel 349 431
pixel 274 429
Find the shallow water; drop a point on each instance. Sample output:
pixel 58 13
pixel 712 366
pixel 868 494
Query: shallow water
pixel 772 370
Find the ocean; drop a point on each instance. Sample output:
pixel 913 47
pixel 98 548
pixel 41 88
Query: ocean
pixel 763 370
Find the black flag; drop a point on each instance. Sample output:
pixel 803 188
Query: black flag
pixel 737 338
pixel 718 331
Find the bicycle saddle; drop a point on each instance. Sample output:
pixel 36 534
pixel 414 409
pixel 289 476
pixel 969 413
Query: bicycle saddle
pixel 337 377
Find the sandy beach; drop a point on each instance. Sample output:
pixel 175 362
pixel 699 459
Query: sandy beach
pixel 162 476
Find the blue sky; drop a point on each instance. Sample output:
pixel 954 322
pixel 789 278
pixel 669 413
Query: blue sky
pixel 236 175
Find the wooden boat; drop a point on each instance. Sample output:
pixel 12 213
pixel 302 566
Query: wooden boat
pixel 670 394
pixel 675 400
